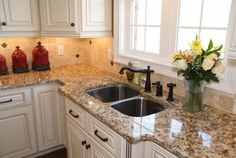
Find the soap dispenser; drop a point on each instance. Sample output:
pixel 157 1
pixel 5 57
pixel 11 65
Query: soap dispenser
pixel 159 90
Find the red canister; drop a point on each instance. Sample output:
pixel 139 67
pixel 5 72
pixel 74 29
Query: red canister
pixel 3 66
pixel 19 61
pixel 40 58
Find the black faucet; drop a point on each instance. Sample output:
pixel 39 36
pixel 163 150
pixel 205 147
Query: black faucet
pixel 170 95
pixel 148 72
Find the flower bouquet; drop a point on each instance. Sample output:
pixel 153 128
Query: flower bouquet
pixel 198 66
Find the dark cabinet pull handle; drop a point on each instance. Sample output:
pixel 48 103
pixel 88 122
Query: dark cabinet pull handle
pixel 83 142
pixel 75 116
pixel 7 101
pixel 72 24
pixel 4 24
pixel 87 146
pixel 103 139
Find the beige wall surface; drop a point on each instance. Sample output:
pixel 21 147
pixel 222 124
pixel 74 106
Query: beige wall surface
pixel 71 47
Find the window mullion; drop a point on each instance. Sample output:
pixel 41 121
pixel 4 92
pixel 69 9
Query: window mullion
pixel 201 16
pixel 177 28
pixel 145 25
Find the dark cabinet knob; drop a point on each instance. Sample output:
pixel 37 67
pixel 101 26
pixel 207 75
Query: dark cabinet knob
pixel 4 24
pixel 83 142
pixel 87 146
pixel 72 24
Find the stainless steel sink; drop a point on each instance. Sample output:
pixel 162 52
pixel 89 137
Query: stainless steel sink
pixel 113 93
pixel 138 106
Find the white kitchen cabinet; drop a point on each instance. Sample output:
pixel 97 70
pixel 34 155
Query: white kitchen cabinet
pixel 76 18
pixel 17 134
pixel 96 17
pixel 58 15
pixel 89 138
pixel 81 145
pixel 76 140
pixel 153 150
pixel 48 116
pixel 19 17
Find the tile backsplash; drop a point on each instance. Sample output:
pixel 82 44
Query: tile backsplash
pixel 94 52
pixel 86 48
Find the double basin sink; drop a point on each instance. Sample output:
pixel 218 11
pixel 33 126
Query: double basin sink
pixel 126 100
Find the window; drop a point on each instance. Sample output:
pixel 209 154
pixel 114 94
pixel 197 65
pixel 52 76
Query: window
pixel 151 30
pixel 145 25
pixel 206 18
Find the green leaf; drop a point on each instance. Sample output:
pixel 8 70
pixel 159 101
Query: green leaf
pixel 210 45
pixel 216 50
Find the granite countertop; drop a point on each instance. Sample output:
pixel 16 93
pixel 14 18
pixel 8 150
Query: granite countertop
pixel 210 133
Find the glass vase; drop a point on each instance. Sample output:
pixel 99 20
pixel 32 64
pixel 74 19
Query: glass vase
pixel 193 101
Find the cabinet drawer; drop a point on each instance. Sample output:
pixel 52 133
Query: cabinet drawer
pixel 74 112
pixel 104 135
pixel 15 97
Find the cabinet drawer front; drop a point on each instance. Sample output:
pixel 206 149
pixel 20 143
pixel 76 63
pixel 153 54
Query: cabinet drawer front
pixel 104 135
pixel 155 151
pixel 16 97
pixel 74 112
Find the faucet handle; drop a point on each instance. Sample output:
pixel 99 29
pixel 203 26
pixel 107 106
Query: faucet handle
pixel 171 85
pixel 149 70
pixel 170 95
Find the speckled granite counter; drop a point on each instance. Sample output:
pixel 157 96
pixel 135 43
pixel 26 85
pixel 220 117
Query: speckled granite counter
pixel 211 133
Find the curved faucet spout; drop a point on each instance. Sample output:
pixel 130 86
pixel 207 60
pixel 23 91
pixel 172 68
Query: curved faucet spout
pixel 148 72
pixel 135 70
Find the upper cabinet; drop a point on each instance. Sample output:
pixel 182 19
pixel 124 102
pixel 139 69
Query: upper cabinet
pixel 79 18
pixel 96 17
pixel 58 18
pixel 19 17
pixel 58 15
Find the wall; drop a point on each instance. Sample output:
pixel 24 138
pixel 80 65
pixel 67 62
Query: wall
pixel 94 52
pixel 72 46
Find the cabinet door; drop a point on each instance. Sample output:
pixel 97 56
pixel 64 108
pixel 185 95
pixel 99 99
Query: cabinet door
pixel 17 135
pixel 96 15
pixel 75 138
pixel 48 121
pixel 19 15
pixel 58 15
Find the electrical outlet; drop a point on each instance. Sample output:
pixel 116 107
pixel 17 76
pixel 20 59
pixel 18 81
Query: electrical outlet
pixel 60 50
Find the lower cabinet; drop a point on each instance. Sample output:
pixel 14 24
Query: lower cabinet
pixel 89 138
pixel 17 134
pixel 29 122
pixel 153 150
pixel 76 140
pixel 81 145
pixel 48 116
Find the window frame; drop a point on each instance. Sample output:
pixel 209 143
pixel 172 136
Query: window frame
pixel 161 63
pixel 199 28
